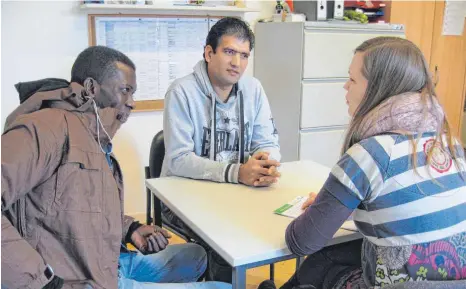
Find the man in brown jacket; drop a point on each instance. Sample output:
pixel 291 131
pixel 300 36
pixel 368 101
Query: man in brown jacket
pixel 62 189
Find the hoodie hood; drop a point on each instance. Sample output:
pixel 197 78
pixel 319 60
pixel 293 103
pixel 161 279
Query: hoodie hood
pixel 61 94
pixel 202 77
pixel 26 89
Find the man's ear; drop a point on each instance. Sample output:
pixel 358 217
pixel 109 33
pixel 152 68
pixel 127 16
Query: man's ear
pixel 91 86
pixel 208 51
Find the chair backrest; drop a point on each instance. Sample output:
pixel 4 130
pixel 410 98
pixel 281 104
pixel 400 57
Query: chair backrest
pixel 156 156
pixel 157 153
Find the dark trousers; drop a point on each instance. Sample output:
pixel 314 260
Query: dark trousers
pixel 217 268
pixel 323 269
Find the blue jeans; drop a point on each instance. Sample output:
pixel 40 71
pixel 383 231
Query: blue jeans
pixel 178 266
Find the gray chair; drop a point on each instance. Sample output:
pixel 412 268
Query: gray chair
pixel 157 154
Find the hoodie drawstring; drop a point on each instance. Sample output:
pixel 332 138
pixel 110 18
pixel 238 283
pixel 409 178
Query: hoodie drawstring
pixel 241 134
pixel 213 128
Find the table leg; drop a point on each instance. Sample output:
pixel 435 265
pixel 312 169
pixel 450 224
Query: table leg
pixel 272 271
pixel 148 201
pixel 239 277
pixel 299 261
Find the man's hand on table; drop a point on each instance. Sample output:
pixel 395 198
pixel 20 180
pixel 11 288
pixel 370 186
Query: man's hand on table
pixel 259 171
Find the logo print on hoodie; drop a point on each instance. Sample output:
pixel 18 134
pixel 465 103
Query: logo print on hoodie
pixel 227 142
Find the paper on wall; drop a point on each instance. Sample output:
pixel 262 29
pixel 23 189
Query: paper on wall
pixel 453 17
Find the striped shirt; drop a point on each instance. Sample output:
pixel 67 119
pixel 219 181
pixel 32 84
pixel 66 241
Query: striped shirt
pixel 395 204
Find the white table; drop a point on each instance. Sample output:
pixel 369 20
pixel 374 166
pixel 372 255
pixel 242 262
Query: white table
pixel 238 221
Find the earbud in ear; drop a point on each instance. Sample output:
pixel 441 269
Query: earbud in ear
pixel 90 86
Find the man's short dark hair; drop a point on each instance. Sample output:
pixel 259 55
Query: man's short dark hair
pixel 229 26
pixel 98 62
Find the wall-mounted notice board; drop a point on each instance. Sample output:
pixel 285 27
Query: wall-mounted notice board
pixel 163 48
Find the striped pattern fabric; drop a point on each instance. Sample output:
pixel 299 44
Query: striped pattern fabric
pixel 396 205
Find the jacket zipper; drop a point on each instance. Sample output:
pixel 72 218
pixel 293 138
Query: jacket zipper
pixel 21 214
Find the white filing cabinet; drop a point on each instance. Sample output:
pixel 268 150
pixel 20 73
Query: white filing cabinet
pixel 303 67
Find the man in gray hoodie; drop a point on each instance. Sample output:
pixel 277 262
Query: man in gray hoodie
pixel 218 125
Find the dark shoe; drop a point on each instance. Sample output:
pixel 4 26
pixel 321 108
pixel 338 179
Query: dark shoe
pixel 267 284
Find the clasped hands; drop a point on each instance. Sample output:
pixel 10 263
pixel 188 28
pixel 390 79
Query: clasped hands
pixel 259 171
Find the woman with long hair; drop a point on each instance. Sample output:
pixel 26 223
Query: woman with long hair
pixel 401 176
